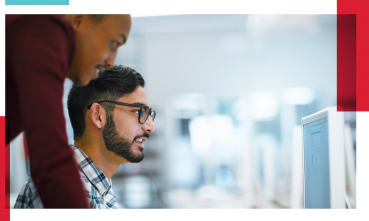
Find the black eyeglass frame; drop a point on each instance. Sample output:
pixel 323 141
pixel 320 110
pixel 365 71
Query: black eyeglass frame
pixel 131 105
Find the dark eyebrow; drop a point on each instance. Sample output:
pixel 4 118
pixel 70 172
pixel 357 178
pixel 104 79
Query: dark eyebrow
pixel 139 103
pixel 124 38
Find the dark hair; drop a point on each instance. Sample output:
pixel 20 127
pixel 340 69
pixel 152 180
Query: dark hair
pixel 111 84
pixel 98 17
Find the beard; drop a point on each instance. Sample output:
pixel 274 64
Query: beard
pixel 119 144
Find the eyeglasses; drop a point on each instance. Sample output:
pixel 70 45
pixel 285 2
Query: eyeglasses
pixel 143 114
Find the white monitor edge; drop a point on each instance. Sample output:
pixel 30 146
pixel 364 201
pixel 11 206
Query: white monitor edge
pixel 336 161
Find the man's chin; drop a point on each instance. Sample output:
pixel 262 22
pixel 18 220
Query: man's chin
pixel 137 159
pixel 80 79
pixel 82 82
pixel 77 80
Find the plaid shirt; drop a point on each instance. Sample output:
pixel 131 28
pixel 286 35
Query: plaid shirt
pixel 98 188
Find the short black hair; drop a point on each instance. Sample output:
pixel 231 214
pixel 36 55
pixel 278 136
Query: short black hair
pixel 111 84
pixel 98 17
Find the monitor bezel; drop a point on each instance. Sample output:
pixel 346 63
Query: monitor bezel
pixel 335 146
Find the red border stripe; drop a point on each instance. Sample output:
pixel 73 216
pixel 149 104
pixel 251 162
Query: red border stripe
pixel 358 7
pixel 2 169
pixel 346 62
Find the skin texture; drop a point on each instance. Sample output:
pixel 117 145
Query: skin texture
pixel 127 126
pixel 96 44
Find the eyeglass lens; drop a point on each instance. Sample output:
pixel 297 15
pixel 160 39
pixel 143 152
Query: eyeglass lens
pixel 144 114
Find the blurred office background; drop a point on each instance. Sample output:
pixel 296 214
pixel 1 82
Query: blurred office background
pixel 230 92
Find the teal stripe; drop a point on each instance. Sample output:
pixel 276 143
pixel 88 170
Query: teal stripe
pixel 36 2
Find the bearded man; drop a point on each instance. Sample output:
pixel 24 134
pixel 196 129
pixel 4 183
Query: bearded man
pixel 111 118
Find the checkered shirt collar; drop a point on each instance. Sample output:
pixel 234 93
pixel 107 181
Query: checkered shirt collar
pixel 92 172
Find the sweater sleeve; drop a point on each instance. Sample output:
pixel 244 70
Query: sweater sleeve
pixel 41 57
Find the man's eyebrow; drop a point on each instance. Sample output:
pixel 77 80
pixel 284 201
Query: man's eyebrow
pixel 139 103
pixel 124 38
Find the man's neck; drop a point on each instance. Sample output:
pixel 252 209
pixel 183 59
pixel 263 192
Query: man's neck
pixel 106 160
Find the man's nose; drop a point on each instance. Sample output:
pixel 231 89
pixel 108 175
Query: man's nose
pixel 109 62
pixel 149 125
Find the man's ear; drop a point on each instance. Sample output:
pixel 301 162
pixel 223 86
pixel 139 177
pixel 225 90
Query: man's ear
pixel 97 115
pixel 76 20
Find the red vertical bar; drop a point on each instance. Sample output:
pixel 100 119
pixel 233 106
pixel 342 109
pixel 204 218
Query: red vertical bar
pixel 7 172
pixel 362 53
pixel 7 181
pixel 359 8
pixel 4 168
pixel 346 62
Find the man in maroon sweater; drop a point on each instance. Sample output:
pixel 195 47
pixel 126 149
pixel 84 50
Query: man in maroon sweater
pixel 41 51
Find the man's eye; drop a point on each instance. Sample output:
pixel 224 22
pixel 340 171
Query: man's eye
pixel 136 112
pixel 115 45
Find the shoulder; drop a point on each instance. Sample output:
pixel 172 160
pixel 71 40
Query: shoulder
pixel 92 194
pixel 47 22
pixel 111 201
pixel 43 35
pixel 85 180
pixel 28 196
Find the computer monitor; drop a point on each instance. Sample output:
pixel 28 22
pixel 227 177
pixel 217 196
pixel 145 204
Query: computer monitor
pixel 323 159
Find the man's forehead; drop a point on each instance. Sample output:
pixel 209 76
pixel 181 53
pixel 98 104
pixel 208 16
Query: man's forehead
pixel 138 96
pixel 122 21
pixel 117 24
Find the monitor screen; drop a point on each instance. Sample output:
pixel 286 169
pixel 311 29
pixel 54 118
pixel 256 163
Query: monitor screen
pixel 316 160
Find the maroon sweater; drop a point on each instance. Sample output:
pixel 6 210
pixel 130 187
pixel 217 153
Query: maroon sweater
pixel 39 52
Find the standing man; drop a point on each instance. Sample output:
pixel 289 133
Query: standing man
pixel 41 51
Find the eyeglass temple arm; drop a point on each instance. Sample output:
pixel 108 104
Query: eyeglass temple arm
pixel 115 102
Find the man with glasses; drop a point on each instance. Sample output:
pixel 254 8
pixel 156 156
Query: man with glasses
pixel 111 118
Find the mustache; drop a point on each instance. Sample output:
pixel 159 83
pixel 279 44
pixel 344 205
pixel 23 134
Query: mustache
pixel 142 135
